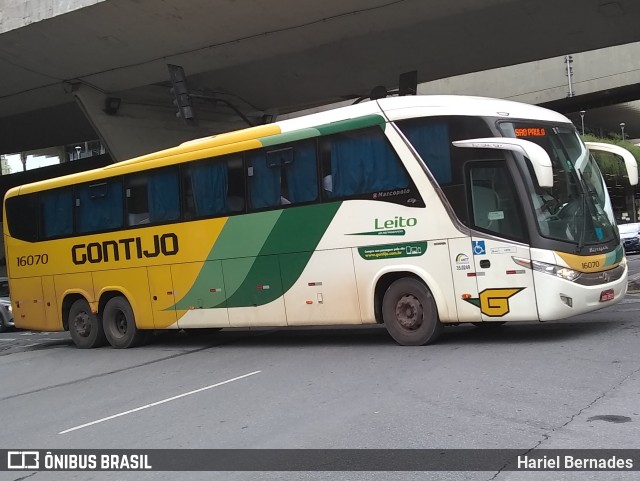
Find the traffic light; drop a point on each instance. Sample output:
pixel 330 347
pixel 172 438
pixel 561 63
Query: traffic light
pixel 180 92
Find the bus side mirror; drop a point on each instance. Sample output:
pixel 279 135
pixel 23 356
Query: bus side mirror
pixel 537 155
pixel 629 160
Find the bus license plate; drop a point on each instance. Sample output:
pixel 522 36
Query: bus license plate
pixel 606 295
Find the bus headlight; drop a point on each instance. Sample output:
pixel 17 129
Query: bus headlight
pixel 551 269
pixel 623 262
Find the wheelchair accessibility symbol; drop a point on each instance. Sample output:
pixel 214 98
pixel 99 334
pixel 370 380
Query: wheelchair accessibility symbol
pixel 479 248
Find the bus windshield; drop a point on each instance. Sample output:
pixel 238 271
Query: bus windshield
pixel 573 210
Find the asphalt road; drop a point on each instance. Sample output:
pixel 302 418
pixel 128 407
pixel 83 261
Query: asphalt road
pixel 634 271
pixel 523 386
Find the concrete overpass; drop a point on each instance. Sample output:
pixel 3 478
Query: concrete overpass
pixel 61 60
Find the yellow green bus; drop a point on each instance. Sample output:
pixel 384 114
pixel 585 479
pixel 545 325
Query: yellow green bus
pixel 415 212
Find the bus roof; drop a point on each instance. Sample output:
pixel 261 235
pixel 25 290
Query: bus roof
pixel 331 120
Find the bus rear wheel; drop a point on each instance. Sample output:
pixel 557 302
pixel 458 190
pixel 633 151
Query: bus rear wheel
pixel 84 326
pixel 120 324
pixel 410 313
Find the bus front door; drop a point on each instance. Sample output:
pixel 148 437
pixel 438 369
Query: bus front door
pixel 505 289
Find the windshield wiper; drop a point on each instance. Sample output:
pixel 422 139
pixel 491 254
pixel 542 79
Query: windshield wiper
pixel 584 222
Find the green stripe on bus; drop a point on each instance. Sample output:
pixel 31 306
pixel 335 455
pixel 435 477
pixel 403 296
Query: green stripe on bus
pixel 614 257
pixel 242 237
pixel 286 137
pixel 250 248
pixel 352 124
pixel 298 230
pixel 327 129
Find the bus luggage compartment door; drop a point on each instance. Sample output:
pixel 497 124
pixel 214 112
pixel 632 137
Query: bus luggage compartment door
pixel 201 295
pixel 26 294
pixel 254 286
pixel 162 298
pixel 322 288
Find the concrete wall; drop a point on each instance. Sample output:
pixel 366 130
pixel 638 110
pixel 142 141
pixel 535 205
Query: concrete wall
pixel 20 13
pixel 546 80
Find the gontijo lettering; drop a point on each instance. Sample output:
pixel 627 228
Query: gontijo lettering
pixel 130 247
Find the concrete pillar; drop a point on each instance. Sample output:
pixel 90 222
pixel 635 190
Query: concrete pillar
pixel 139 127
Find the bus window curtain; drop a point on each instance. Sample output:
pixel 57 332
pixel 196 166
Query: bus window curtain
pixel 431 141
pixel 302 174
pixel 57 213
pixel 163 196
pixel 363 165
pixel 102 212
pixel 209 183
pixel 264 184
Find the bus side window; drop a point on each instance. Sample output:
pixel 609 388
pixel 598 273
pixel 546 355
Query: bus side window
pixel 153 197
pixel 494 202
pixel 56 207
pixel 284 175
pixel 22 217
pixel 99 206
pixel 432 139
pixel 213 187
pixel 235 188
pixel 360 162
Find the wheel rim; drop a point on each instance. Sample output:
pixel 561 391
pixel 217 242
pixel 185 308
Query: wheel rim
pixel 409 312
pixel 121 324
pixel 82 324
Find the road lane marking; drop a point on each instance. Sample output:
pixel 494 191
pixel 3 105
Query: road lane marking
pixel 8 339
pixel 146 406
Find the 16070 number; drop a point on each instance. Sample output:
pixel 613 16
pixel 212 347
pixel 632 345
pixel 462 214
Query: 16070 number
pixel 33 260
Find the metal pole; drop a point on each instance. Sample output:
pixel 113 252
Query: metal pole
pixel 568 59
pixel 582 112
pixel 622 124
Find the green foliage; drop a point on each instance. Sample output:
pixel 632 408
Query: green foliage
pixel 610 164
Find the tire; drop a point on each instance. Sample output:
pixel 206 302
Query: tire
pixel 489 324
pixel 84 326
pixel 410 313
pixel 3 328
pixel 120 324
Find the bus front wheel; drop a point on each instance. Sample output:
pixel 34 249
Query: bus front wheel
pixel 410 313
pixel 84 326
pixel 120 324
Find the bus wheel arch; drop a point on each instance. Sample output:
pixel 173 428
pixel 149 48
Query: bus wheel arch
pixel 119 322
pixel 82 323
pixel 409 310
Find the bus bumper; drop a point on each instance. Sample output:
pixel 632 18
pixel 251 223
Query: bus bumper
pixel 558 298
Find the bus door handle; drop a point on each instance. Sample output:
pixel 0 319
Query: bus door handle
pixel 485 263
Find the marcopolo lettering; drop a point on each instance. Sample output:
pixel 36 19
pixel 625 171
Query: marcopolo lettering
pixel 131 247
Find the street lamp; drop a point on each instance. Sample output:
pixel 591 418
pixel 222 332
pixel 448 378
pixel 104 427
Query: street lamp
pixel 78 149
pixel 582 112
pixel 622 124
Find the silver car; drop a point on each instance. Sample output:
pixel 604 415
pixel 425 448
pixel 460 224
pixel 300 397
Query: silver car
pixel 6 314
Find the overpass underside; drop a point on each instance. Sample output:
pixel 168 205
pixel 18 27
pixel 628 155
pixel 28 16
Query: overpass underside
pixel 64 63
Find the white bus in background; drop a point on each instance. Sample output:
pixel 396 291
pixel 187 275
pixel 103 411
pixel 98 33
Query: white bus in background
pixel 415 212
